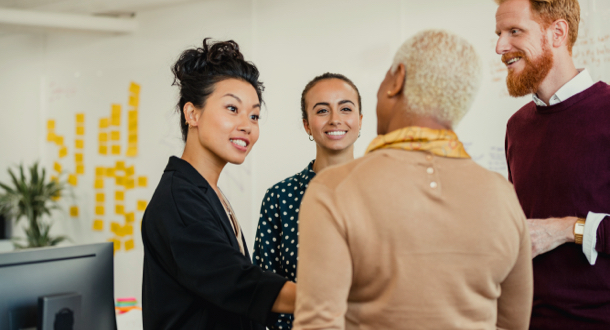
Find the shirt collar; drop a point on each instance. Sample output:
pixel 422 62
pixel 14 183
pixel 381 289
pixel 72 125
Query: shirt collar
pixel 581 82
pixel 187 170
pixel 307 174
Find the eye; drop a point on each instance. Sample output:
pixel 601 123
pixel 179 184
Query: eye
pixel 232 108
pixel 514 31
pixel 255 117
pixel 321 111
pixel 346 109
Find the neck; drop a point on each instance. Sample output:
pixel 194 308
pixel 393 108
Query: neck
pixel 404 118
pixel 208 164
pixel 563 70
pixel 326 158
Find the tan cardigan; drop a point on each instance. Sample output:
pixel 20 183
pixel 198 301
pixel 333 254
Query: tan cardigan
pixel 407 240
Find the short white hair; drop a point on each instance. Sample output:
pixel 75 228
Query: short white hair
pixel 443 74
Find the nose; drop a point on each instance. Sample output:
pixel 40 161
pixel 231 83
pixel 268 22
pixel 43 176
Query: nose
pixel 502 46
pixel 335 117
pixel 245 125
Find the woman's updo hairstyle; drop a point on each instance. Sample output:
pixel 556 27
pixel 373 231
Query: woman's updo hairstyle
pixel 198 70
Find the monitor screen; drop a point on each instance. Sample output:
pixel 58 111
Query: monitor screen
pixel 78 280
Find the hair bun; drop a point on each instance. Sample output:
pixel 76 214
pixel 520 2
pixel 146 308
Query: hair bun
pixel 202 60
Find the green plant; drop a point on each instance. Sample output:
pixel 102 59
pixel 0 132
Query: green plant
pixel 32 199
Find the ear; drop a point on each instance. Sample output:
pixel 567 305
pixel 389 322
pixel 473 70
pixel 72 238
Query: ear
pixel 560 30
pixel 306 126
pixel 398 80
pixel 360 123
pixel 191 114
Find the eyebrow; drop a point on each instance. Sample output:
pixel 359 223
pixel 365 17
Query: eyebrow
pixel 328 104
pixel 233 96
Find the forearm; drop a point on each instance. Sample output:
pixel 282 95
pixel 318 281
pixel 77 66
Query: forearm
pixel 284 303
pixel 547 234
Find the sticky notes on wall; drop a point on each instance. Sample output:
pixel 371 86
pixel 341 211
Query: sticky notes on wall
pixel 142 181
pixel 119 209
pixel 79 144
pixel 98 184
pixel 119 195
pixel 142 205
pixel 132 120
pixel 99 210
pixel 80 169
pixel 72 179
pixel 80 124
pixel 115 115
pixel 98 225
pixel 74 211
pixel 116 149
pixel 100 197
pixel 51 125
pixel 57 167
pixel 129 244
pixel 130 217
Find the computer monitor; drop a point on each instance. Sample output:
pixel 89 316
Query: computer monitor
pixel 81 272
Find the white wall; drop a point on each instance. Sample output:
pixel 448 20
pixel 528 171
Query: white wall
pixel 54 76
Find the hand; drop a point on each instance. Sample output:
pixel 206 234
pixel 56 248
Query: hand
pixel 547 234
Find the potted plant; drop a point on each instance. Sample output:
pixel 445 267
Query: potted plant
pixel 32 198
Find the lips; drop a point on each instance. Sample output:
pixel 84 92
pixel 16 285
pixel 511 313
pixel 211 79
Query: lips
pixel 240 143
pixel 511 58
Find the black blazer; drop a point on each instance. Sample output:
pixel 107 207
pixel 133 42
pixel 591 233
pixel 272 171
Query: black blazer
pixel 195 277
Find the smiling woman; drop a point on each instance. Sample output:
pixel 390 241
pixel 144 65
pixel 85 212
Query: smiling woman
pixel 332 117
pixel 197 269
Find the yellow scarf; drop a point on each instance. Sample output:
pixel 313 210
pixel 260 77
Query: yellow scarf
pixel 440 142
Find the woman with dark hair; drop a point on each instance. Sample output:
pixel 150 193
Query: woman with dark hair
pixel 332 117
pixel 197 270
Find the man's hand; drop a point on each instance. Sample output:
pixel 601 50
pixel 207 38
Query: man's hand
pixel 547 234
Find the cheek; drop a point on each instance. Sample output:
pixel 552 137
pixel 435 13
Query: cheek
pixel 316 124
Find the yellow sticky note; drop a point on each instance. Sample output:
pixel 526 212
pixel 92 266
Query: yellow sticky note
pixel 56 198
pixel 119 209
pixel 72 179
pixel 103 150
pixel 131 152
pixel 57 167
pixel 115 135
pixel 63 152
pixel 110 172
pixel 115 121
pixel 59 140
pixel 99 184
pixel 129 245
pixel 132 138
pixel 134 100
pixel 54 178
pixel 98 225
pixel 103 137
pixel 119 195
pixel 80 118
pixel 74 211
pixel 119 180
pixel 142 181
pixel 119 165
pixel 117 244
pixel 115 227
pixel 104 123
pixel 78 157
pixel 142 205
pixel 100 197
pixel 132 114
pixel 130 183
pixel 116 149
pixel 51 137
pixel 79 144
pixel 99 210
pixel 80 169
pixel 134 88
pixel 50 124
pixel 129 171
pixel 80 130
pixel 133 126
pixel 130 217
pixel 99 171
pixel 128 229
pixel 115 110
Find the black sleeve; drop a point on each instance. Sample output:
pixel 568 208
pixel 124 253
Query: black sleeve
pixel 213 269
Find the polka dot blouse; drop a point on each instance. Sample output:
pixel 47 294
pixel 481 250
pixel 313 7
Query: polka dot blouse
pixel 277 236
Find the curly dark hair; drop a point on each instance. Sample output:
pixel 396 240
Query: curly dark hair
pixel 199 69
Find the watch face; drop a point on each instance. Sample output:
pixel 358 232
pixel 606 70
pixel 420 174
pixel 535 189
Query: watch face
pixel 579 229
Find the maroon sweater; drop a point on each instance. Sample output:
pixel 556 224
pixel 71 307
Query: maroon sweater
pixel 559 162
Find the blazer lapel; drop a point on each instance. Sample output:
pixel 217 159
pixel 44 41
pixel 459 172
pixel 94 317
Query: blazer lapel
pixel 225 222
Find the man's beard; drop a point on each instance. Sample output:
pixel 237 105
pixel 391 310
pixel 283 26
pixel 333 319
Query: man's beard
pixel 533 73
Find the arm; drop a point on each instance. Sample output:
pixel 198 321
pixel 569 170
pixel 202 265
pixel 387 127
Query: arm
pixel 517 290
pixel 206 264
pixel 325 267
pixel 266 254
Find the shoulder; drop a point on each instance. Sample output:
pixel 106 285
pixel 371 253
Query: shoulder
pixel 300 180
pixel 334 176
pixel 522 114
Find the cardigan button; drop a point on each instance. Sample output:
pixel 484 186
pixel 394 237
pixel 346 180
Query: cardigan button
pixel 430 170
pixel 433 185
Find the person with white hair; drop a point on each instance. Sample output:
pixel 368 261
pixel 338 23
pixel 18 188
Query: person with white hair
pixel 415 234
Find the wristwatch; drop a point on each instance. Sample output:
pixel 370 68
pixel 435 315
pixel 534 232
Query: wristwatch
pixel 579 230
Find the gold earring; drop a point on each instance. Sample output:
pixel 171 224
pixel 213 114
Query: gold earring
pixel 389 93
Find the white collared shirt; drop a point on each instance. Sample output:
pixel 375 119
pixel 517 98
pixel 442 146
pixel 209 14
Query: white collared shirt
pixel 576 85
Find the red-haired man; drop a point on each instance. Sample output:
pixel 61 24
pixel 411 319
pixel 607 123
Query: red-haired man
pixel 558 153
